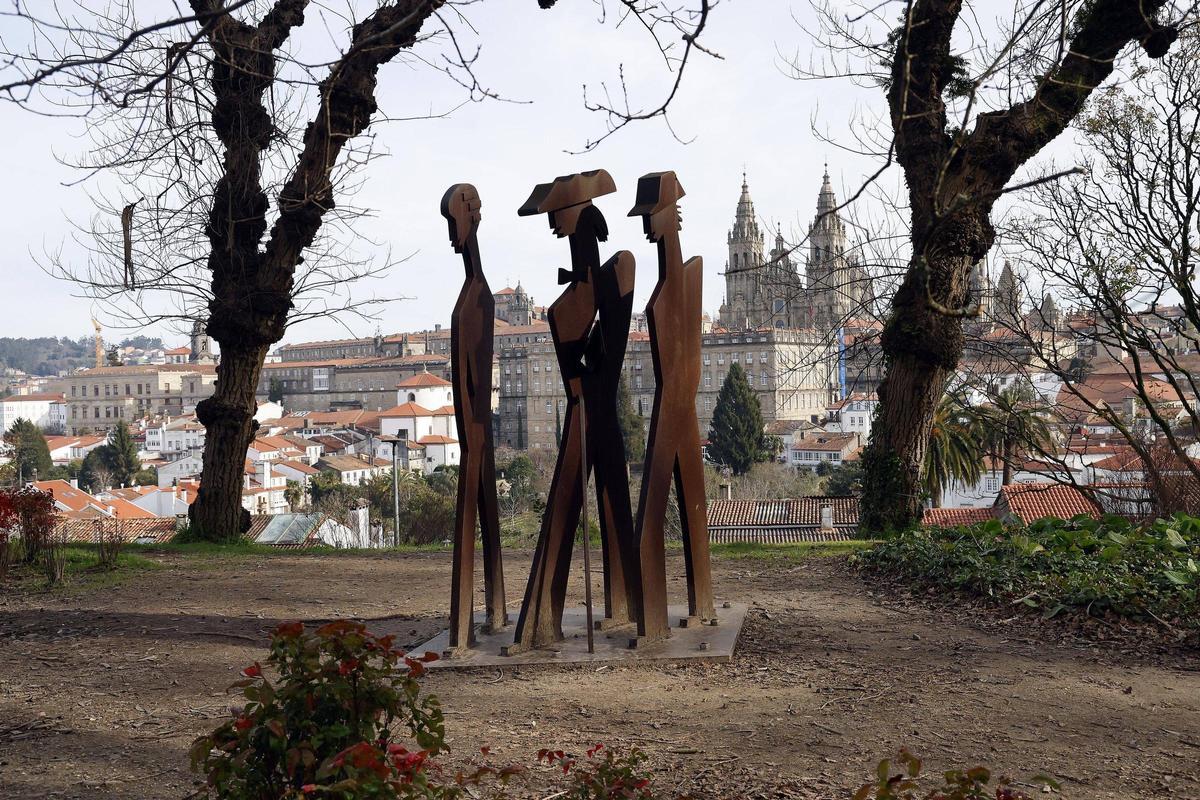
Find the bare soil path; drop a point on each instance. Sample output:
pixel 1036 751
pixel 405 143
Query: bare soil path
pixel 101 691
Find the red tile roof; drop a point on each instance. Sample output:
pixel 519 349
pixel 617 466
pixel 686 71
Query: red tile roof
pixel 47 397
pixel 437 438
pixel 155 529
pixel 1030 501
pixel 825 442
pixel 299 466
pixel 793 512
pixel 422 379
pixel 66 494
pixel 953 517
pixel 407 410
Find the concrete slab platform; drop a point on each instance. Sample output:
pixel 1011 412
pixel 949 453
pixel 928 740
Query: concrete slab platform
pixel 694 642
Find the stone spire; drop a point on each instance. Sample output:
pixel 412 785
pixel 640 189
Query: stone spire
pixel 1048 313
pixel 745 224
pixel 744 267
pixel 1007 305
pixel 827 231
pixel 981 286
pixel 826 200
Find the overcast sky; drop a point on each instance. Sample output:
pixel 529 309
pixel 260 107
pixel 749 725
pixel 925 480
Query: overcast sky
pixel 742 112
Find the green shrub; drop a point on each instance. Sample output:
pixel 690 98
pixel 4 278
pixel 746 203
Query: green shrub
pixel 1098 567
pixel 427 516
pixel 972 784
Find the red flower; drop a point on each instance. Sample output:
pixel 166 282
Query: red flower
pixel 347 666
pixel 289 630
pixel 308 787
pixel 253 671
pixel 242 723
pixel 593 750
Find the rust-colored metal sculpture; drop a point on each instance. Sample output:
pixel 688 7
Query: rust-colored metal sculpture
pixel 589 324
pixel 471 329
pixel 673 448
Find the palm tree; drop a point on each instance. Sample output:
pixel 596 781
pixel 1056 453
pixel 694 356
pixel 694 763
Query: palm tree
pixel 954 453
pixel 1011 423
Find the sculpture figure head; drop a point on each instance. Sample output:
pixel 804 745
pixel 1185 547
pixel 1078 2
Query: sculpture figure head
pixel 461 208
pixel 658 196
pixel 566 197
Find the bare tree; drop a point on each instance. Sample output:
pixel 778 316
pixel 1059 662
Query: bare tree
pixel 971 100
pixel 198 111
pixel 1117 247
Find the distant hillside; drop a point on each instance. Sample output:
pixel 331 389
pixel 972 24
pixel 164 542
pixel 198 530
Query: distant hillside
pixel 47 355
pixel 142 342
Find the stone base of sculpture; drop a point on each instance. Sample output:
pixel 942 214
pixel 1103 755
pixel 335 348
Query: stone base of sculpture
pixel 619 644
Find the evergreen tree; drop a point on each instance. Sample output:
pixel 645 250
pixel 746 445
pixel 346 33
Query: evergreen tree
pixel 275 391
pixel 28 450
pixel 736 438
pixel 114 357
pixel 633 430
pixel 122 455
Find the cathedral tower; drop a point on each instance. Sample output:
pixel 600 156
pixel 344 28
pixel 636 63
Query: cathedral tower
pixel 835 279
pixel 741 308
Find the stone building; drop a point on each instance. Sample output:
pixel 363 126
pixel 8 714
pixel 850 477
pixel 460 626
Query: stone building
pixel 99 398
pixel 789 370
pixel 516 306
pixel 346 383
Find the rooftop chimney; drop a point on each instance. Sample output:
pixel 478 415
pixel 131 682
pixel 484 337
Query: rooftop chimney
pixel 827 518
pixel 726 491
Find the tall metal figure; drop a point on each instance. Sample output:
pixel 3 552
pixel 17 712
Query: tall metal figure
pixel 471 327
pixel 589 324
pixel 673 448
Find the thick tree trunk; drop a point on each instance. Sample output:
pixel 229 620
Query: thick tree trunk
pixel 922 344
pixel 252 281
pixel 228 419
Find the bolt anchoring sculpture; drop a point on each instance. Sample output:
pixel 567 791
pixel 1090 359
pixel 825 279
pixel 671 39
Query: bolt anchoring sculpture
pixel 589 324
pixel 471 329
pixel 673 447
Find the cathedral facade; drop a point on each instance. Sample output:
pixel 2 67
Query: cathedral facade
pixel 767 290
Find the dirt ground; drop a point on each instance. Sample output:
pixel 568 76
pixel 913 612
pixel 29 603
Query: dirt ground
pixel 101 691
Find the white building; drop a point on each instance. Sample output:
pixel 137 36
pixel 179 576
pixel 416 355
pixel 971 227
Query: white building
pixel 183 468
pixel 172 437
pixel 263 489
pixel 424 416
pixel 65 449
pixel 854 414
pixel 47 411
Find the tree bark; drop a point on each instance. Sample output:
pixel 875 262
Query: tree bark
pixel 228 419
